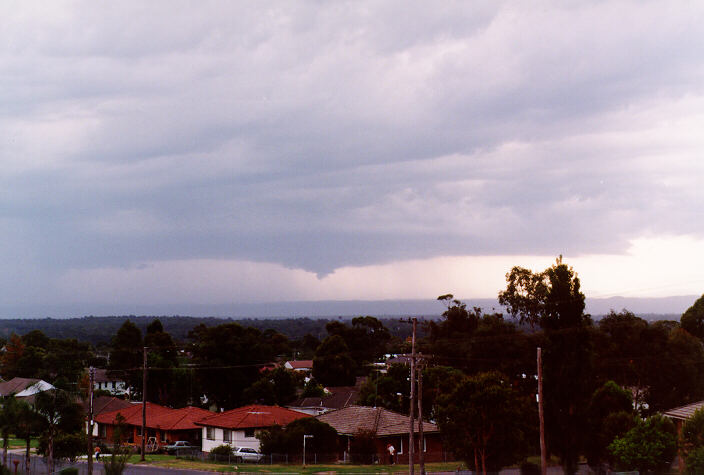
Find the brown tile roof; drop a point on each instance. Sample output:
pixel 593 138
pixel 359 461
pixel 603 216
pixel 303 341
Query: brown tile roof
pixel 253 416
pixel 382 422
pixel 341 396
pixel 158 417
pixel 103 376
pixel 684 412
pixel 16 385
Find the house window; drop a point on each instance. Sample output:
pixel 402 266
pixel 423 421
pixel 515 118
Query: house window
pixel 226 435
pixel 139 431
pixel 102 431
pixel 400 446
pixel 210 433
pixel 249 432
pixel 163 436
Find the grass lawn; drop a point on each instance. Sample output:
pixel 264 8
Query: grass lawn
pixel 21 443
pixel 176 462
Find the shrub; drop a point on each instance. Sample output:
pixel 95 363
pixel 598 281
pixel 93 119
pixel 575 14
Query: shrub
pixel 223 449
pixel 649 446
pixel 695 461
pixel 69 471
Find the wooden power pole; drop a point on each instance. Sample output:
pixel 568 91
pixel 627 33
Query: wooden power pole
pixel 91 378
pixel 543 452
pixel 421 440
pixel 144 404
pixel 412 404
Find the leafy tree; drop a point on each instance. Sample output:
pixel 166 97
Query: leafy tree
pixel 230 356
pixel 367 339
pixel 8 416
pixel 390 390
pixel 693 442
pixel 333 365
pixel 27 424
pixel 610 415
pixel 486 422
pixel 126 355
pixel 162 359
pixel 676 374
pixel 59 415
pixel 692 319
pixel 13 352
pixel 313 389
pixel 277 386
pixel 650 445
pixel 450 340
pixel 290 438
pixel 552 299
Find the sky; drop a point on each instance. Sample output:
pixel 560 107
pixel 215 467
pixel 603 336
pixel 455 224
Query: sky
pixel 218 152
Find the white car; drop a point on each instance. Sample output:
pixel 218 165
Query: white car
pixel 245 454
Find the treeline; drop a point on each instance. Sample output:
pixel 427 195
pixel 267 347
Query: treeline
pixel 99 330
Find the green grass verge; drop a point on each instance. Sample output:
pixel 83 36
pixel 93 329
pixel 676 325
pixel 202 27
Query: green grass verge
pixel 169 461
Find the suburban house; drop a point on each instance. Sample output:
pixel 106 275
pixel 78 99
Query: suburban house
pixel 23 387
pixel 305 366
pixel 103 404
pixel 336 397
pixel 679 415
pixel 112 384
pixel 238 427
pixel 164 425
pixel 388 427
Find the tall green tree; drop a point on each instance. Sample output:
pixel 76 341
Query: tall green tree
pixel 692 319
pixel 552 299
pixel 162 359
pixel 126 355
pixel 333 364
pixel 229 357
pixel 28 424
pixel 58 415
pixel 8 418
pixel 486 422
pixel 610 415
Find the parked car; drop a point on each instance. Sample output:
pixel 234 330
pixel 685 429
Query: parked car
pixel 245 454
pixel 181 447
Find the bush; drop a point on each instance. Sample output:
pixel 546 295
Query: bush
pixel 649 446
pixel 363 448
pixel 223 449
pixel 69 471
pixel 695 461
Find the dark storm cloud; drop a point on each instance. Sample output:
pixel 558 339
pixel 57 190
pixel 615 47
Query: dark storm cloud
pixel 321 135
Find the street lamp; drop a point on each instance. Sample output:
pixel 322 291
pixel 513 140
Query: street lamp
pixel 305 436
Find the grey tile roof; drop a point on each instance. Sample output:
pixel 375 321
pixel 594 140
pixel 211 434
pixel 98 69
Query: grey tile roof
pixel 382 422
pixel 684 412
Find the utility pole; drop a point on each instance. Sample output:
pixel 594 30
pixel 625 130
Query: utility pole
pixel 543 454
pixel 421 440
pixel 413 398
pixel 144 404
pixel 91 378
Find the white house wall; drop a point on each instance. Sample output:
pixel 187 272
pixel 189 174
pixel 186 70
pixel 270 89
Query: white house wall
pixel 238 440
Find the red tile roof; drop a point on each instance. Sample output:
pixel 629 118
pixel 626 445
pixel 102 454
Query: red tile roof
pixel 158 417
pixel 300 364
pixel 254 416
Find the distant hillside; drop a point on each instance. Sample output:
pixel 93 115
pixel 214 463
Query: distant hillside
pixel 337 308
